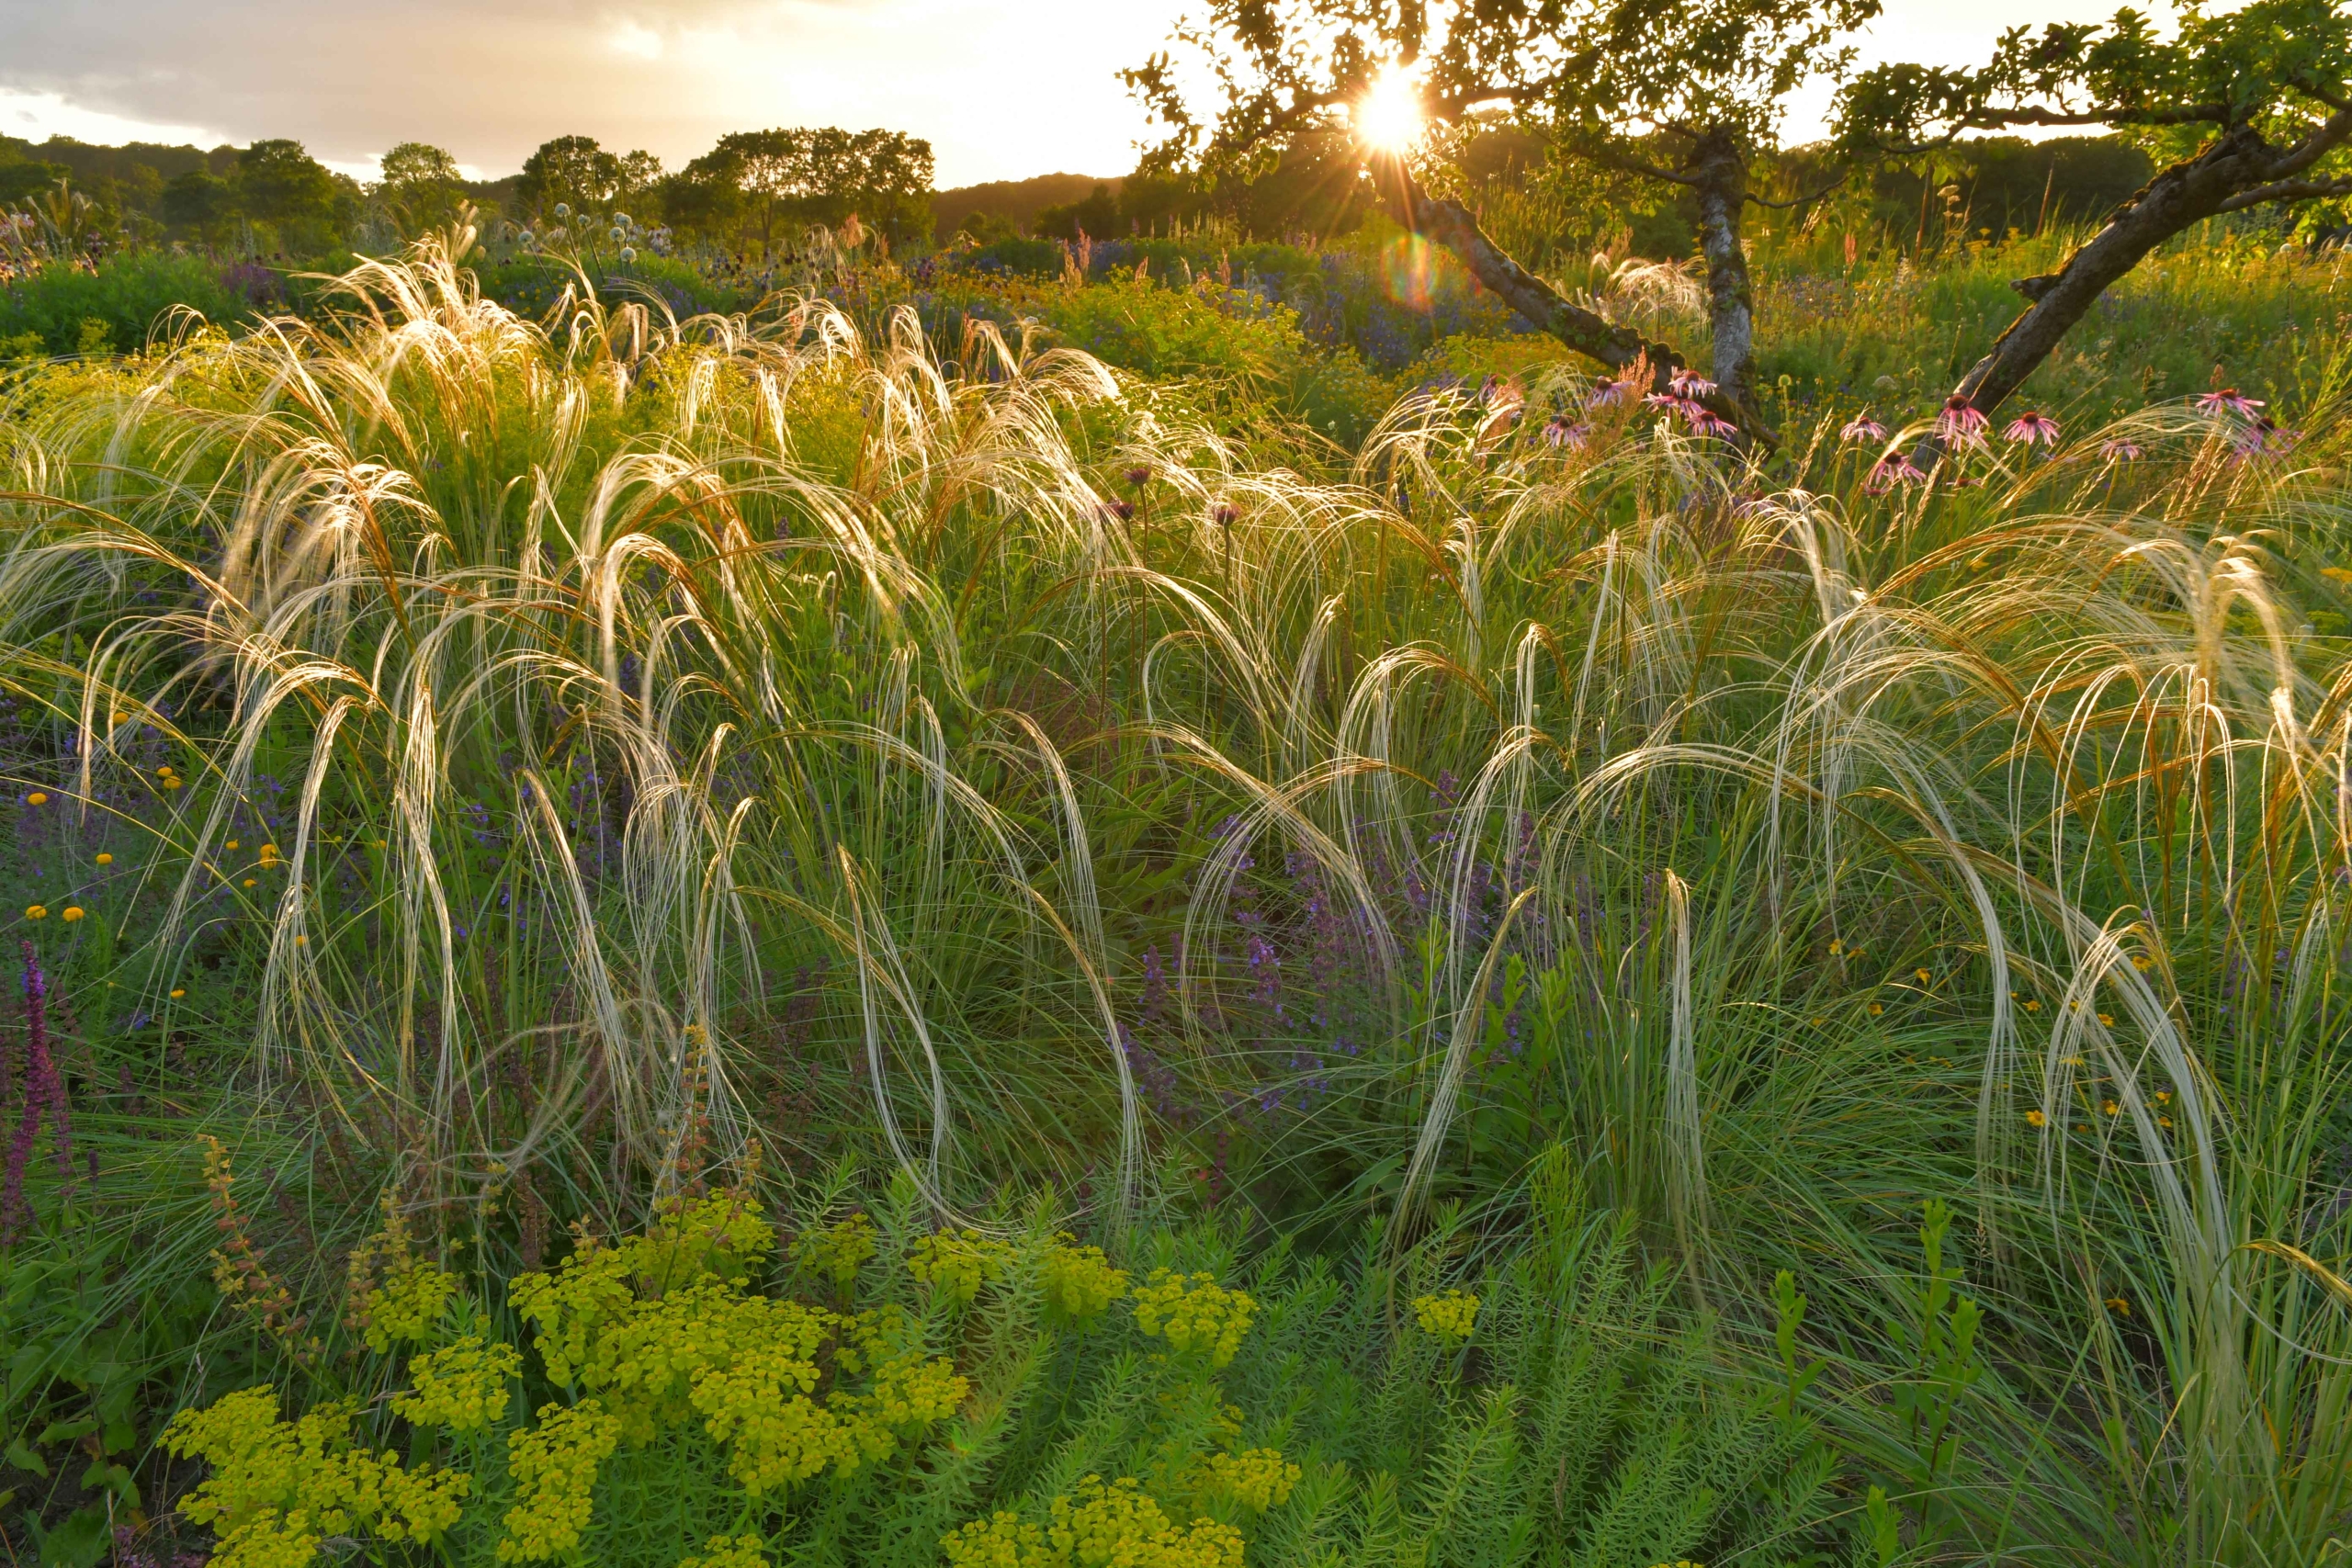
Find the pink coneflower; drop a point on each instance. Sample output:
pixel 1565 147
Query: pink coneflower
pixel 1962 420
pixel 1563 432
pixel 1689 383
pixel 1608 394
pixel 2122 451
pixel 2260 437
pixel 2033 428
pixel 2229 399
pixel 1706 421
pixel 1890 471
pixel 1863 427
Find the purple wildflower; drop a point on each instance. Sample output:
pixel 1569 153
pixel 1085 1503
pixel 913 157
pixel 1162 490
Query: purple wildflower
pixel 44 1091
pixel 1890 471
pixel 1608 394
pixel 2229 399
pixel 1961 421
pixel 1139 477
pixel 1863 427
pixel 2121 450
pixel 1689 383
pixel 1567 434
pixel 1118 510
pixel 2034 428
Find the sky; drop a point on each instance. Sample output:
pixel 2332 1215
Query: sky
pixel 1001 88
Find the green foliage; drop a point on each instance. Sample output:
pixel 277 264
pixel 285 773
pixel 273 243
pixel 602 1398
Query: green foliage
pixel 692 1401
pixel 130 296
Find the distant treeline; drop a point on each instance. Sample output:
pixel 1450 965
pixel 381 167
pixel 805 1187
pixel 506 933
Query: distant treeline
pixel 757 189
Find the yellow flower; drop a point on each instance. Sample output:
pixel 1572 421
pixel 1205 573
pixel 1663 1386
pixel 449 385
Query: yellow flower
pixel 954 1264
pixel 300 941
pixel 1836 947
pixel 2107 1020
pixel 249 882
pixel 838 1251
pixel 36 798
pixel 70 913
pixel 276 1489
pixel 1876 1009
pixel 1921 974
pixel 1194 1313
pixel 232 844
pixel 269 854
pixel 1080 1282
pixel 2163 1097
pixel 164 772
pixel 2032 1005
pixel 2142 963
pixel 174 782
pixel 1257 1479
pixel 743 1551
pixel 2110 1107
pixel 554 1466
pixel 461 1386
pixel 409 1304
pixel 178 991
pixel 2119 1306
pixel 1001 1540
pixel 2165 1122
pixel 2036 1118
pixel 1449 1317
pixel 36 911
pixel 105 859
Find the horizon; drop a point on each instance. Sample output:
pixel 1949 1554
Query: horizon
pixel 669 75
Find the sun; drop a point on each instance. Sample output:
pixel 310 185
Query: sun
pixel 1388 117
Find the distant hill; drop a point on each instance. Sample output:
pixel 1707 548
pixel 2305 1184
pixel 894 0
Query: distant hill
pixel 1019 200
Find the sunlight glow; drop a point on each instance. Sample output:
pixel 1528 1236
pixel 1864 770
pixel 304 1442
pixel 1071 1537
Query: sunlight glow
pixel 1388 117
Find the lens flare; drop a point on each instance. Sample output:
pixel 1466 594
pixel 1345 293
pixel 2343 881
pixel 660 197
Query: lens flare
pixel 1388 117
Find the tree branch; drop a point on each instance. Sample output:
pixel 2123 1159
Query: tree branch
pixel 2324 138
pixel 1591 334
pixel 1800 200
pixel 2288 190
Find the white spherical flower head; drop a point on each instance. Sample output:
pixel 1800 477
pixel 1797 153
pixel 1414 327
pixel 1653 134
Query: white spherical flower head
pixel 628 254
pixel 563 209
pixel 622 220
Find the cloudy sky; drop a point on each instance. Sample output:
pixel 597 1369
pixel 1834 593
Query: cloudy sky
pixel 1003 88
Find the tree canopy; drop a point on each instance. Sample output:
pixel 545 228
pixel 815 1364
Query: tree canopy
pixel 2253 106
pixel 1674 92
pixel 764 179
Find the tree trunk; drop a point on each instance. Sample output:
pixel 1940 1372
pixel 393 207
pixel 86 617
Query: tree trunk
pixel 1590 334
pixel 2183 194
pixel 1719 174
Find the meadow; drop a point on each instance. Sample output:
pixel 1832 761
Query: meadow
pixel 1174 907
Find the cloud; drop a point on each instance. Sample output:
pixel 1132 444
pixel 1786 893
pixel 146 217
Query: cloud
pixel 1003 88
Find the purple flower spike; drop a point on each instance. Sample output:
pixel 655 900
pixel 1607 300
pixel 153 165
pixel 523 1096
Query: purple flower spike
pixel 44 1092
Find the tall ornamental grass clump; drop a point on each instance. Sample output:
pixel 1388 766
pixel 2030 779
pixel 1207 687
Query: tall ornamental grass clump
pixel 664 730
